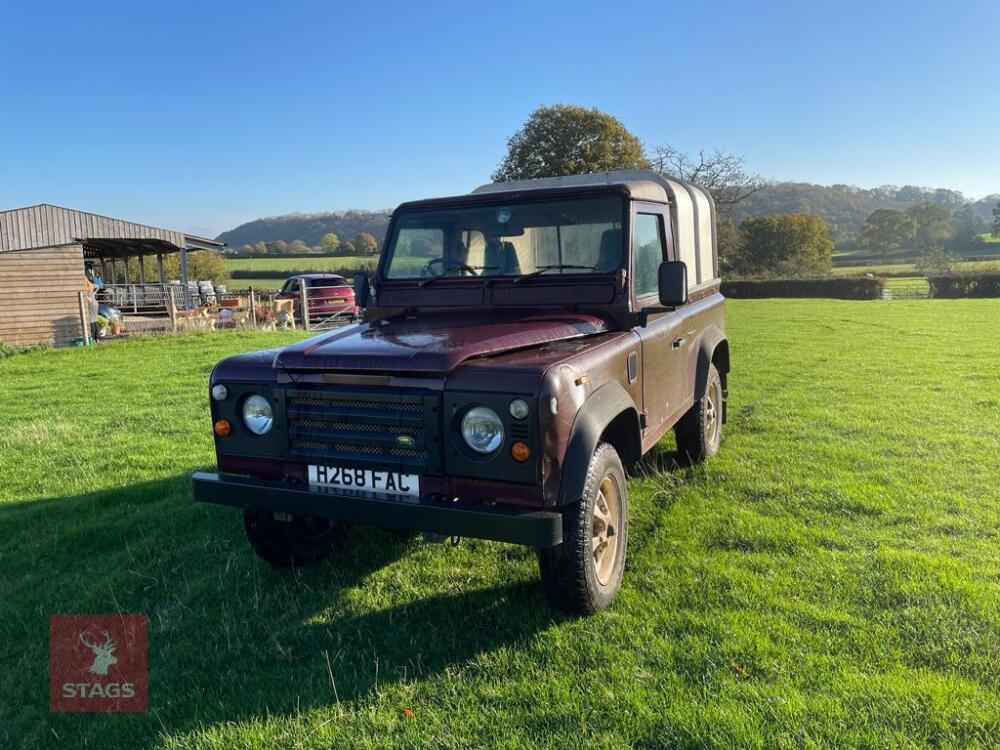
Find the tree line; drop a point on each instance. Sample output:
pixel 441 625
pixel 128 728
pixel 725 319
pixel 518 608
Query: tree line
pixel 362 244
pixel 563 139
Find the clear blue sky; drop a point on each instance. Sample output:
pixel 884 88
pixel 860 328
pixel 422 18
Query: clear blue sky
pixel 199 116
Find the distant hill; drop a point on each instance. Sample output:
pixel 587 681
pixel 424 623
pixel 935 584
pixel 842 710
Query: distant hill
pixel 845 207
pixel 309 228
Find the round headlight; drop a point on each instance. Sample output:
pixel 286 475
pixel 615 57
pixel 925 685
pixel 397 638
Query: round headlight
pixel 519 408
pixel 482 429
pixel 257 415
pixel 219 392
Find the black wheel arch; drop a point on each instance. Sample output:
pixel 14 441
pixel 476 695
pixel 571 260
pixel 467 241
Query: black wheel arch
pixel 712 350
pixel 609 415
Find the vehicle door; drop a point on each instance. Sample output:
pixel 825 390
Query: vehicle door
pixel 666 392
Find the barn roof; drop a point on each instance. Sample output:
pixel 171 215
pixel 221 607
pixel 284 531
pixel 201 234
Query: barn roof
pixel 46 225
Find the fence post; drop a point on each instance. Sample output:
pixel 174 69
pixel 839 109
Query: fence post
pixel 305 305
pixel 172 309
pixel 84 318
pixel 135 301
pixel 253 309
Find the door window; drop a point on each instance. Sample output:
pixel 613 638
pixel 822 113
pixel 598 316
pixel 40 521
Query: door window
pixel 647 244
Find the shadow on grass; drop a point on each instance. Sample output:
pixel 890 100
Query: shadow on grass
pixel 231 639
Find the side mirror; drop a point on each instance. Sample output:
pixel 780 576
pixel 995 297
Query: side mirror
pixel 362 289
pixel 673 283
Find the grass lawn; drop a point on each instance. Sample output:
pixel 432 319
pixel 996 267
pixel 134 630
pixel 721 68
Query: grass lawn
pixel 876 269
pixel 271 284
pixel 281 265
pixel 831 579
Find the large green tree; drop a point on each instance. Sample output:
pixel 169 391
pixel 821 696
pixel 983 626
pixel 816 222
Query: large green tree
pixel 887 228
pixel 783 245
pixel 330 242
pixel 365 244
pixel 933 223
pixel 967 228
pixel 563 140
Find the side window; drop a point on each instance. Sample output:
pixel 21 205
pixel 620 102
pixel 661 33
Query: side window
pixel 647 251
pixel 291 286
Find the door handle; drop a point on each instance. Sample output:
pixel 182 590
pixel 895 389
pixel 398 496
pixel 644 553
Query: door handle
pixel 678 343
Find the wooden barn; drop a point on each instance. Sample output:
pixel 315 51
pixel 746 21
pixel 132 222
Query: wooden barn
pixel 44 250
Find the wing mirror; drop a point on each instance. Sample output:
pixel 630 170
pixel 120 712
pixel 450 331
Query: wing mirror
pixel 673 283
pixel 362 289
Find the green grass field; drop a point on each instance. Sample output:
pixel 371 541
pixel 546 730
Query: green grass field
pixel 280 265
pixel 831 579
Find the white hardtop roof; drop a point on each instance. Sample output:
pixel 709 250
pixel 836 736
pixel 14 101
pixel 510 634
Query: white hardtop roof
pixel 642 184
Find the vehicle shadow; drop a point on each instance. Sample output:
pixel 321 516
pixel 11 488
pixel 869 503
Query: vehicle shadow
pixel 230 638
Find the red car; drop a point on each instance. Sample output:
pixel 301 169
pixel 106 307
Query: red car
pixel 327 293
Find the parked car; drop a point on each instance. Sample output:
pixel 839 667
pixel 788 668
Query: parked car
pixel 522 347
pixel 327 294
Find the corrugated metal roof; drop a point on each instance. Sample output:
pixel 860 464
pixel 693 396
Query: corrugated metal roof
pixel 46 225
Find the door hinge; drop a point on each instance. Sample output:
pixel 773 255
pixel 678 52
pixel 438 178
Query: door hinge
pixel 642 420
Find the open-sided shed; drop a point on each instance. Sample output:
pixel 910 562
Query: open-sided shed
pixel 42 263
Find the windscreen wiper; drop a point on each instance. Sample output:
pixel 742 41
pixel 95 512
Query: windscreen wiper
pixel 431 279
pixel 542 269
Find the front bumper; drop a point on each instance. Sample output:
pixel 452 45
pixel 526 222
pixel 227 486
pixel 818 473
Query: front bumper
pixel 500 523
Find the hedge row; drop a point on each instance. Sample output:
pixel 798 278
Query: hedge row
pixel 831 288
pixel 348 272
pixel 965 285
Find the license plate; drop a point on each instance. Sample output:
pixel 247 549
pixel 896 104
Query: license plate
pixel 366 480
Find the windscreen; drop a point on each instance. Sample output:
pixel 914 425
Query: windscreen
pixel 575 236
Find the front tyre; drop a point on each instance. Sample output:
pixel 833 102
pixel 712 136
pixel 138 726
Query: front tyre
pixel 583 574
pixel 297 542
pixel 699 431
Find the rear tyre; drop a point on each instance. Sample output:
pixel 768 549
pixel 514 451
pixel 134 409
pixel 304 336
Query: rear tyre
pixel 583 574
pixel 699 431
pixel 301 541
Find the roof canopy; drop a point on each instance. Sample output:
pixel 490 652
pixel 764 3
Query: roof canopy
pixel 45 225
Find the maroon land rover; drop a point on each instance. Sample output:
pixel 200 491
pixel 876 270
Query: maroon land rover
pixel 522 346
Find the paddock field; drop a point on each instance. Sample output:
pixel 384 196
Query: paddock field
pixel 831 579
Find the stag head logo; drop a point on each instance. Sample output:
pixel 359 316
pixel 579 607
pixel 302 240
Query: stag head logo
pixel 104 653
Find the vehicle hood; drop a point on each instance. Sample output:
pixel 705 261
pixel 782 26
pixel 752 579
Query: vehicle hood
pixel 431 344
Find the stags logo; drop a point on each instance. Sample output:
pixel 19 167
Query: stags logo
pixel 97 662
pixel 104 654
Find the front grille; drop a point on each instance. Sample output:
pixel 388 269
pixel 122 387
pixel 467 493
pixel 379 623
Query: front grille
pixel 381 428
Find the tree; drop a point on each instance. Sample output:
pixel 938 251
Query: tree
pixel 937 261
pixel 933 223
pixel 967 228
pixel 261 248
pixel 783 245
pixel 996 220
pixel 729 243
pixel 887 228
pixel 563 140
pixel 202 265
pixel 348 248
pixel 330 242
pixel 280 246
pixel 298 246
pixel 365 244
pixel 721 174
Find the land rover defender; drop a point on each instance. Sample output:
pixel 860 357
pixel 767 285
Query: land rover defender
pixel 521 347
